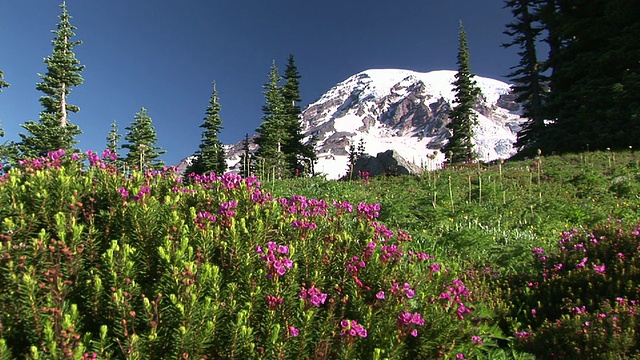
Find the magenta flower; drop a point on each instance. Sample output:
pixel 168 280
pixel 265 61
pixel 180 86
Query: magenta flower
pixel 582 263
pixel 380 295
pixel 293 331
pixel 276 263
pixel 123 192
pixel 313 295
pixel 274 301
pixel 476 339
pixel 228 208
pixel 352 328
pixel 407 322
pixel 600 269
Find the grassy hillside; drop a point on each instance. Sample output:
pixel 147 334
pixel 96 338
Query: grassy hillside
pixel 513 260
pixel 495 213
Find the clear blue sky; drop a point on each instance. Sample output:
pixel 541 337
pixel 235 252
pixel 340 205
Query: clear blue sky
pixel 164 55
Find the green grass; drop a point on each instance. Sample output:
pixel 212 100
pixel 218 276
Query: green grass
pixel 493 214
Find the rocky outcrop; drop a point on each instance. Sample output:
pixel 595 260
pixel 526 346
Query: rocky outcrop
pixel 385 163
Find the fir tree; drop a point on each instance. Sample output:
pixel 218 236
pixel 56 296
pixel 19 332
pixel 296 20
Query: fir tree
pixel 141 140
pixel 462 118
pixel 246 159
pixel 273 133
pixel 527 75
pixel 54 131
pixel 7 149
pixel 594 74
pixel 210 156
pixel 113 138
pixel 300 156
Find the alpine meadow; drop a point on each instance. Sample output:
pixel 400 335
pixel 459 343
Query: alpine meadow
pixel 249 251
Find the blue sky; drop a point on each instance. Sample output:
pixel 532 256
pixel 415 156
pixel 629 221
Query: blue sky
pixel 164 55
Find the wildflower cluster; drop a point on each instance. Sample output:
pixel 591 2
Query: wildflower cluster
pixel 454 296
pixel 228 208
pixel 402 291
pixel 369 211
pixel 306 207
pixel 203 218
pixel 273 301
pixel 53 160
pixel 571 298
pixel 351 329
pixel 408 321
pixel 277 264
pixel 313 296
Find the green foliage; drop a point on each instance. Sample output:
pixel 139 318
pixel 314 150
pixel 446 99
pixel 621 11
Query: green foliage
pixel 210 156
pixel 282 152
pixel 141 140
pixel 462 119
pixel 593 73
pixel 144 266
pixel 300 156
pixel 247 163
pixel 529 80
pixel 273 133
pixel 113 138
pixel 54 131
pixel 582 302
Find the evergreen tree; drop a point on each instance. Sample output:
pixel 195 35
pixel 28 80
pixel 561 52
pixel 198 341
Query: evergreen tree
pixel 246 159
pixel 594 74
pixel 273 133
pixel 54 131
pixel 210 157
pixel 113 138
pixel 300 156
pixel 527 75
pixel 141 140
pixel 462 118
pixel 7 149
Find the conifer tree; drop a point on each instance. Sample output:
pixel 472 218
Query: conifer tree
pixel 300 156
pixel 210 156
pixel 529 80
pixel 113 138
pixel 273 133
pixel 7 149
pixel 246 159
pixel 54 131
pixel 462 118
pixel 594 74
pixel 141 140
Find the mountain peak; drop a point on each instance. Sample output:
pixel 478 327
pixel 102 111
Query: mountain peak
pixel 406 111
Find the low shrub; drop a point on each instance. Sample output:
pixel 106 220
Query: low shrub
pixel 583 301
pixel 100 263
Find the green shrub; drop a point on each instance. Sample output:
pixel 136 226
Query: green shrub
pixel 583 301
pixel 95 262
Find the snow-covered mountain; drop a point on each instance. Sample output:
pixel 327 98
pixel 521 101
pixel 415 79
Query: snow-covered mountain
pixel 402 110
